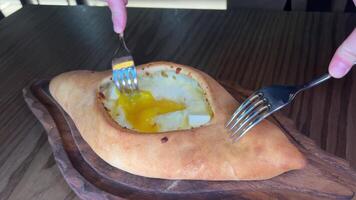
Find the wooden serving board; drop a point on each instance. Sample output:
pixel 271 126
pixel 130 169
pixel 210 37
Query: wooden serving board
pixel 324 177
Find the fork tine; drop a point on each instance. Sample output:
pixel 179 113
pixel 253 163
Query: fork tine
pixel 115 79
pixel 246 112
pixel 134 75
pixel 251 125
pixel 128 80
pixel 256 117
pixel 132 79
pixel 249 100
pixel 247 119
pixel 122 80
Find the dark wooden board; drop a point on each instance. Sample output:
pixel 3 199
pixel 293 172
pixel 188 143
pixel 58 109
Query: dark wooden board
pixel 324 177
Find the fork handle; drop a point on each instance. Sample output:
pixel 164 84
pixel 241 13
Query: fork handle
pixel 315 82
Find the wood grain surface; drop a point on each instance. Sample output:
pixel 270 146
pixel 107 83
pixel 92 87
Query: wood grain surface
pixel 324 176
pixel 250 47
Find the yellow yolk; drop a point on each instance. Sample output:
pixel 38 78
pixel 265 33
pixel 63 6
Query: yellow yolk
pixel 141 108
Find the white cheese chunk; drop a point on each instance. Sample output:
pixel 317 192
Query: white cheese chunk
pixel 112 93
pixel 172 121
pixel 198 120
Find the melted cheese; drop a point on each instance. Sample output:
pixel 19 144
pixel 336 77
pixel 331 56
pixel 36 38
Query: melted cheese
pixel 167 101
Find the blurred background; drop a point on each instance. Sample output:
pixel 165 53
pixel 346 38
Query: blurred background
pixel 7 7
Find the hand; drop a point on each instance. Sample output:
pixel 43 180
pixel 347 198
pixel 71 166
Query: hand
pixel 118 14
pixel 344 57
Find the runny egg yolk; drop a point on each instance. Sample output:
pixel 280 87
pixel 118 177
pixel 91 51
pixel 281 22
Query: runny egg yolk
pixel 141 108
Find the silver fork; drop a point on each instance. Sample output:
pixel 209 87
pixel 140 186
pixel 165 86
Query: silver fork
pixel 263 103
pixel 124 72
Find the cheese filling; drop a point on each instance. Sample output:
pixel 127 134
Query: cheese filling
pixel 167 101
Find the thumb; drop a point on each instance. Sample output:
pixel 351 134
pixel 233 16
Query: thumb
pixel 118 14
pixel 344 57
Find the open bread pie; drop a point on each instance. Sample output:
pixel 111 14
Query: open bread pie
pixel 172 129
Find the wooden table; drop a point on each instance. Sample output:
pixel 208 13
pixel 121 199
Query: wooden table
pixel 249 47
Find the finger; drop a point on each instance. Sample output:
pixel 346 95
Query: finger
pixel 118 14
pixel 344 57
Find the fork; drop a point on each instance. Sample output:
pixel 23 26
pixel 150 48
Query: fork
pixel 124 72
pixel 263 103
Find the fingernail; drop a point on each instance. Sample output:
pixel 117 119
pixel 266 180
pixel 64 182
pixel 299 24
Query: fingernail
pixel 339 70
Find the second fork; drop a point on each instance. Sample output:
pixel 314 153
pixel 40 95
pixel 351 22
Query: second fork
pixel 124 70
